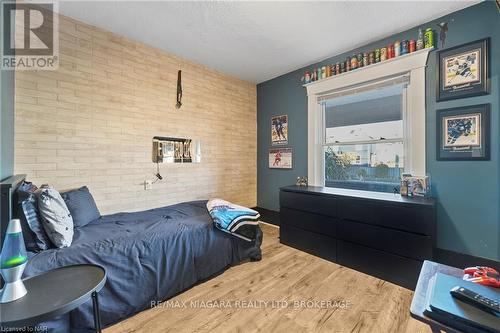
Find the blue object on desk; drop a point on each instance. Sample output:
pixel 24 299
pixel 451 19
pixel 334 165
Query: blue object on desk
pixel 445 308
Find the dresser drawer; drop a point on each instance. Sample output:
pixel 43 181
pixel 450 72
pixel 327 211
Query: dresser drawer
pixel 412 218
pixel 309 221
pixel 386 266
pixel 406 244
pixel 313 243
pixel 319 204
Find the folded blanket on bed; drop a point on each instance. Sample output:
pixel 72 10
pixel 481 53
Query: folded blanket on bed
pixel 234 219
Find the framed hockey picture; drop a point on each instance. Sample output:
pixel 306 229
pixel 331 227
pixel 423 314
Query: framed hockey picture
pixel 463 133
pixel 280 158
pixel 279 130
pixel 463 71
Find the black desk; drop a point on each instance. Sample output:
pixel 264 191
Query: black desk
pixel 418 304
pixel 54 293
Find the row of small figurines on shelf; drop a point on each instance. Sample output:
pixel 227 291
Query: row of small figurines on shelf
pixel 424 40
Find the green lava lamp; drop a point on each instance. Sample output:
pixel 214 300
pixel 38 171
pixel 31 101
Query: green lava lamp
pixel 13 260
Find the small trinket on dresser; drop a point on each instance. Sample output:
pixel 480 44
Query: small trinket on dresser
pixel 301 181
pixel 404 188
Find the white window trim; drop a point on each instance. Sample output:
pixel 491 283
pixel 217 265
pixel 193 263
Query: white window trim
pixel 412 64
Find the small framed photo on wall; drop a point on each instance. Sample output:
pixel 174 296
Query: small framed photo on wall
pixel 279 130
pixel 463 71
pixel 463 133
pixel 280 158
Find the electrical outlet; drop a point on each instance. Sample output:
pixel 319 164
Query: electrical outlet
pixel 148 184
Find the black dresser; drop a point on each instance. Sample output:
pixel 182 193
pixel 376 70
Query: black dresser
pixel 381 234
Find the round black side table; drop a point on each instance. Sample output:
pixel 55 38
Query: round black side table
pixel 54 293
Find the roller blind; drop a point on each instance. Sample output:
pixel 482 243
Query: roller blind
pixel 369 113
pixel 346 94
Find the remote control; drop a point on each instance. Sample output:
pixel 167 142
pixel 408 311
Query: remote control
pixel 475 299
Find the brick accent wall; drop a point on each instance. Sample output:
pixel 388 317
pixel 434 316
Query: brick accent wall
pixel 92 122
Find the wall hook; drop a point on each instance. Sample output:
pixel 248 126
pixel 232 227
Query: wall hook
pixel 179 90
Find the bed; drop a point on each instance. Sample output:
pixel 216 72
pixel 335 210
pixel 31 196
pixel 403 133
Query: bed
pixel 148 256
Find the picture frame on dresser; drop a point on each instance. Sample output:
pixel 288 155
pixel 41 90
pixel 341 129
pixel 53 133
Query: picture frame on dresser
pixel 463 70
pixel 463 133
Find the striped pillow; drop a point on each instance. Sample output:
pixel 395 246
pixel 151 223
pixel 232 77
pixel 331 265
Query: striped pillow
pixel 34 235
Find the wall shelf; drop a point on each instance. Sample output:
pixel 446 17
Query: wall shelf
pixel 403 58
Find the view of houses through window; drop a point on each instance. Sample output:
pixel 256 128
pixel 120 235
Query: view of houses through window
pixel 364 140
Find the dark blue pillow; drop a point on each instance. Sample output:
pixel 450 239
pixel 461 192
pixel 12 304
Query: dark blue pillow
pixel 81 205
pixel 34 234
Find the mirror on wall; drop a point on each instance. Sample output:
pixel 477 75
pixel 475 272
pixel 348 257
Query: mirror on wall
pixel 176 150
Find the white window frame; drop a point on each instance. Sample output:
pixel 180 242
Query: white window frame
pixel 412 64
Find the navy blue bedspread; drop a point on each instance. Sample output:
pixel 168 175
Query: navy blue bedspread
pixel 148 255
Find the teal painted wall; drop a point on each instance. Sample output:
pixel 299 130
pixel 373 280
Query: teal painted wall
pixel 468 193
pixel 6 124
pixel 6 121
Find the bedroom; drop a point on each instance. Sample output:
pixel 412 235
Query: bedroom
pixel 143 111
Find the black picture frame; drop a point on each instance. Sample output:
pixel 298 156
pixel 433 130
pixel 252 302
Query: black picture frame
pixel 452 144
pixel 280 122
pixel 465 85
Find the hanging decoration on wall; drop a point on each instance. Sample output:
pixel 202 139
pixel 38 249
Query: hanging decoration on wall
pixel 463 133
pixel 443 29
pixel 179 90
pixel 280 158
pixel 463 71
pixel 279 130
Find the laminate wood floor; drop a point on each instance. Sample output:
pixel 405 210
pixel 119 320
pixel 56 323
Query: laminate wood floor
pixel 293 284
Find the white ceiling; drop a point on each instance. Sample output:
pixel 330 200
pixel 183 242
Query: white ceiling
pixel 257 41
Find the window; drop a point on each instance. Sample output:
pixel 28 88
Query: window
pixel 407 73
pixel 363 137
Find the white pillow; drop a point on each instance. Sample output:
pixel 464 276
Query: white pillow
pixel 57 220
